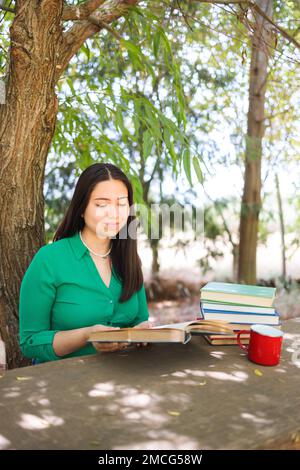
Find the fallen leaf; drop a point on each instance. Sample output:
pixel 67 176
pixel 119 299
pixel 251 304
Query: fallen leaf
pixel 23 378
pixel 258 372
pixel 174 413
pixel 95 443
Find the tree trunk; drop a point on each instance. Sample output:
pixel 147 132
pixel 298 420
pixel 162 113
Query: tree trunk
pixel 154 247
pixel 282 229
pixel 40 51
pixel 251 202
pixel 235 262
pixel 27 124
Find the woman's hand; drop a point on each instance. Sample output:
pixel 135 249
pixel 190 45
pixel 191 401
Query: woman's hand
pixel 105 347
pixel 144 324
pixel 109 347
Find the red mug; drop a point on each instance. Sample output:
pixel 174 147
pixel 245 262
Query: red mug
pixel 264 345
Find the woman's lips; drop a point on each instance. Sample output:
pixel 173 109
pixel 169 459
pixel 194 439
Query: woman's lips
pixel 112 225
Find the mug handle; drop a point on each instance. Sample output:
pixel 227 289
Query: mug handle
pixel 242 346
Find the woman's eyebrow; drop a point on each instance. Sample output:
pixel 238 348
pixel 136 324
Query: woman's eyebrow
pixel 108 199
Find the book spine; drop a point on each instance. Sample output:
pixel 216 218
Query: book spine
pixel 242 317
pixel 201 314
pixel 240 289
pixel 238 308
pixel 234 312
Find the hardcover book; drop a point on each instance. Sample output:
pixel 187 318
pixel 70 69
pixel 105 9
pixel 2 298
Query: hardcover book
pixel 172 333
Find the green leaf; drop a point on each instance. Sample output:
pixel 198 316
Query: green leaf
pixel 70 83
pixel 187 164
pixel 156 43
pixel 147 144
pixel 198 169
pixel 86 50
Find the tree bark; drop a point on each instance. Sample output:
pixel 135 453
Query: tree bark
pixel 235 262
pixel 155 263
pixel 282 229
pixel 40 51
pixel 27 124
pixel 251 201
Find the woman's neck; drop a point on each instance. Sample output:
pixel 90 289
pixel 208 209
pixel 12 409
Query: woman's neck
pixel 99 245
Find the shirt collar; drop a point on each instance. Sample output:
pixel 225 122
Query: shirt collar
pixel 77 246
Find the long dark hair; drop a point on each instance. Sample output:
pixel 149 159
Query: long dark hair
pixel 124 255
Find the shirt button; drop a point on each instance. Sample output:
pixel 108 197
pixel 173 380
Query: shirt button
pixel 111 301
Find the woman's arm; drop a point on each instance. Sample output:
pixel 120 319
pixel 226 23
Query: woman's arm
pixel 65 342
pixel 37 295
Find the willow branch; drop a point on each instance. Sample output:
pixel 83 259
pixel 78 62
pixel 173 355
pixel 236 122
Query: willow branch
pixel 254 6
pixel 279 28
pixel 223 2
pixel 94 20
pixel 108 12
pixel 10 10
pixel 82 11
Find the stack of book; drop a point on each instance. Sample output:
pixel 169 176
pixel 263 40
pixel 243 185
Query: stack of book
pixel 240 305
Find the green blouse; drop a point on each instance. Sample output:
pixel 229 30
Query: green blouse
pixel 63 290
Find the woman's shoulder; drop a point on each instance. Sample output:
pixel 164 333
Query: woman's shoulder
pixel 52 249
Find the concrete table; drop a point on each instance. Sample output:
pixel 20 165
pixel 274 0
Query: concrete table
pixel 193 396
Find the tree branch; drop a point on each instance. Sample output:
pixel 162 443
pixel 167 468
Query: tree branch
pixel 255 7
pixel 11 10
pixel 101 25
pixel 220 212
pixel 156 167
pixel 223 2
pixel 82 11
pixel 281 30
pixel 109 11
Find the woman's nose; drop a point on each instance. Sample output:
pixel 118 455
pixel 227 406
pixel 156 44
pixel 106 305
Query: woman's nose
pixel 113 211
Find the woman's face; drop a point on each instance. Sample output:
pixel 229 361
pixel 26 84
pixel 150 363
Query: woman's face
pixel 108 208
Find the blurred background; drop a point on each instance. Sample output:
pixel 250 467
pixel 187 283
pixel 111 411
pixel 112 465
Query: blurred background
pixel 198 102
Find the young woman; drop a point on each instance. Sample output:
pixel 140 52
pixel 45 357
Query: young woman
pixel 90 278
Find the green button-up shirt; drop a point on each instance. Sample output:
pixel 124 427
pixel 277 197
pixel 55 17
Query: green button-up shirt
pixel 63 290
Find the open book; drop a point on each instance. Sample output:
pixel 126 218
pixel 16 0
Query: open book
pixel 173 333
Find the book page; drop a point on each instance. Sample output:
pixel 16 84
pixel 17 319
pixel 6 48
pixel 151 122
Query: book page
pixel 213 324
pixel 180 326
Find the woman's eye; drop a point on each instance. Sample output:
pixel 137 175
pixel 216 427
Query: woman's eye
pixel 105 205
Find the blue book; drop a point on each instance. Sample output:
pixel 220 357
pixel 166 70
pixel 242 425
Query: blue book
pixel 217 306
pixel 234 317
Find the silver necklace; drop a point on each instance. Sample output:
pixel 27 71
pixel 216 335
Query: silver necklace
pixel 96 254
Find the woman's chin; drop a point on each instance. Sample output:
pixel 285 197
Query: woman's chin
pixel 111 232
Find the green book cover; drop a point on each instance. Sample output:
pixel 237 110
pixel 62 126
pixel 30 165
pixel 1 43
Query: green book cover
pixel 239 289
pixel 235 304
